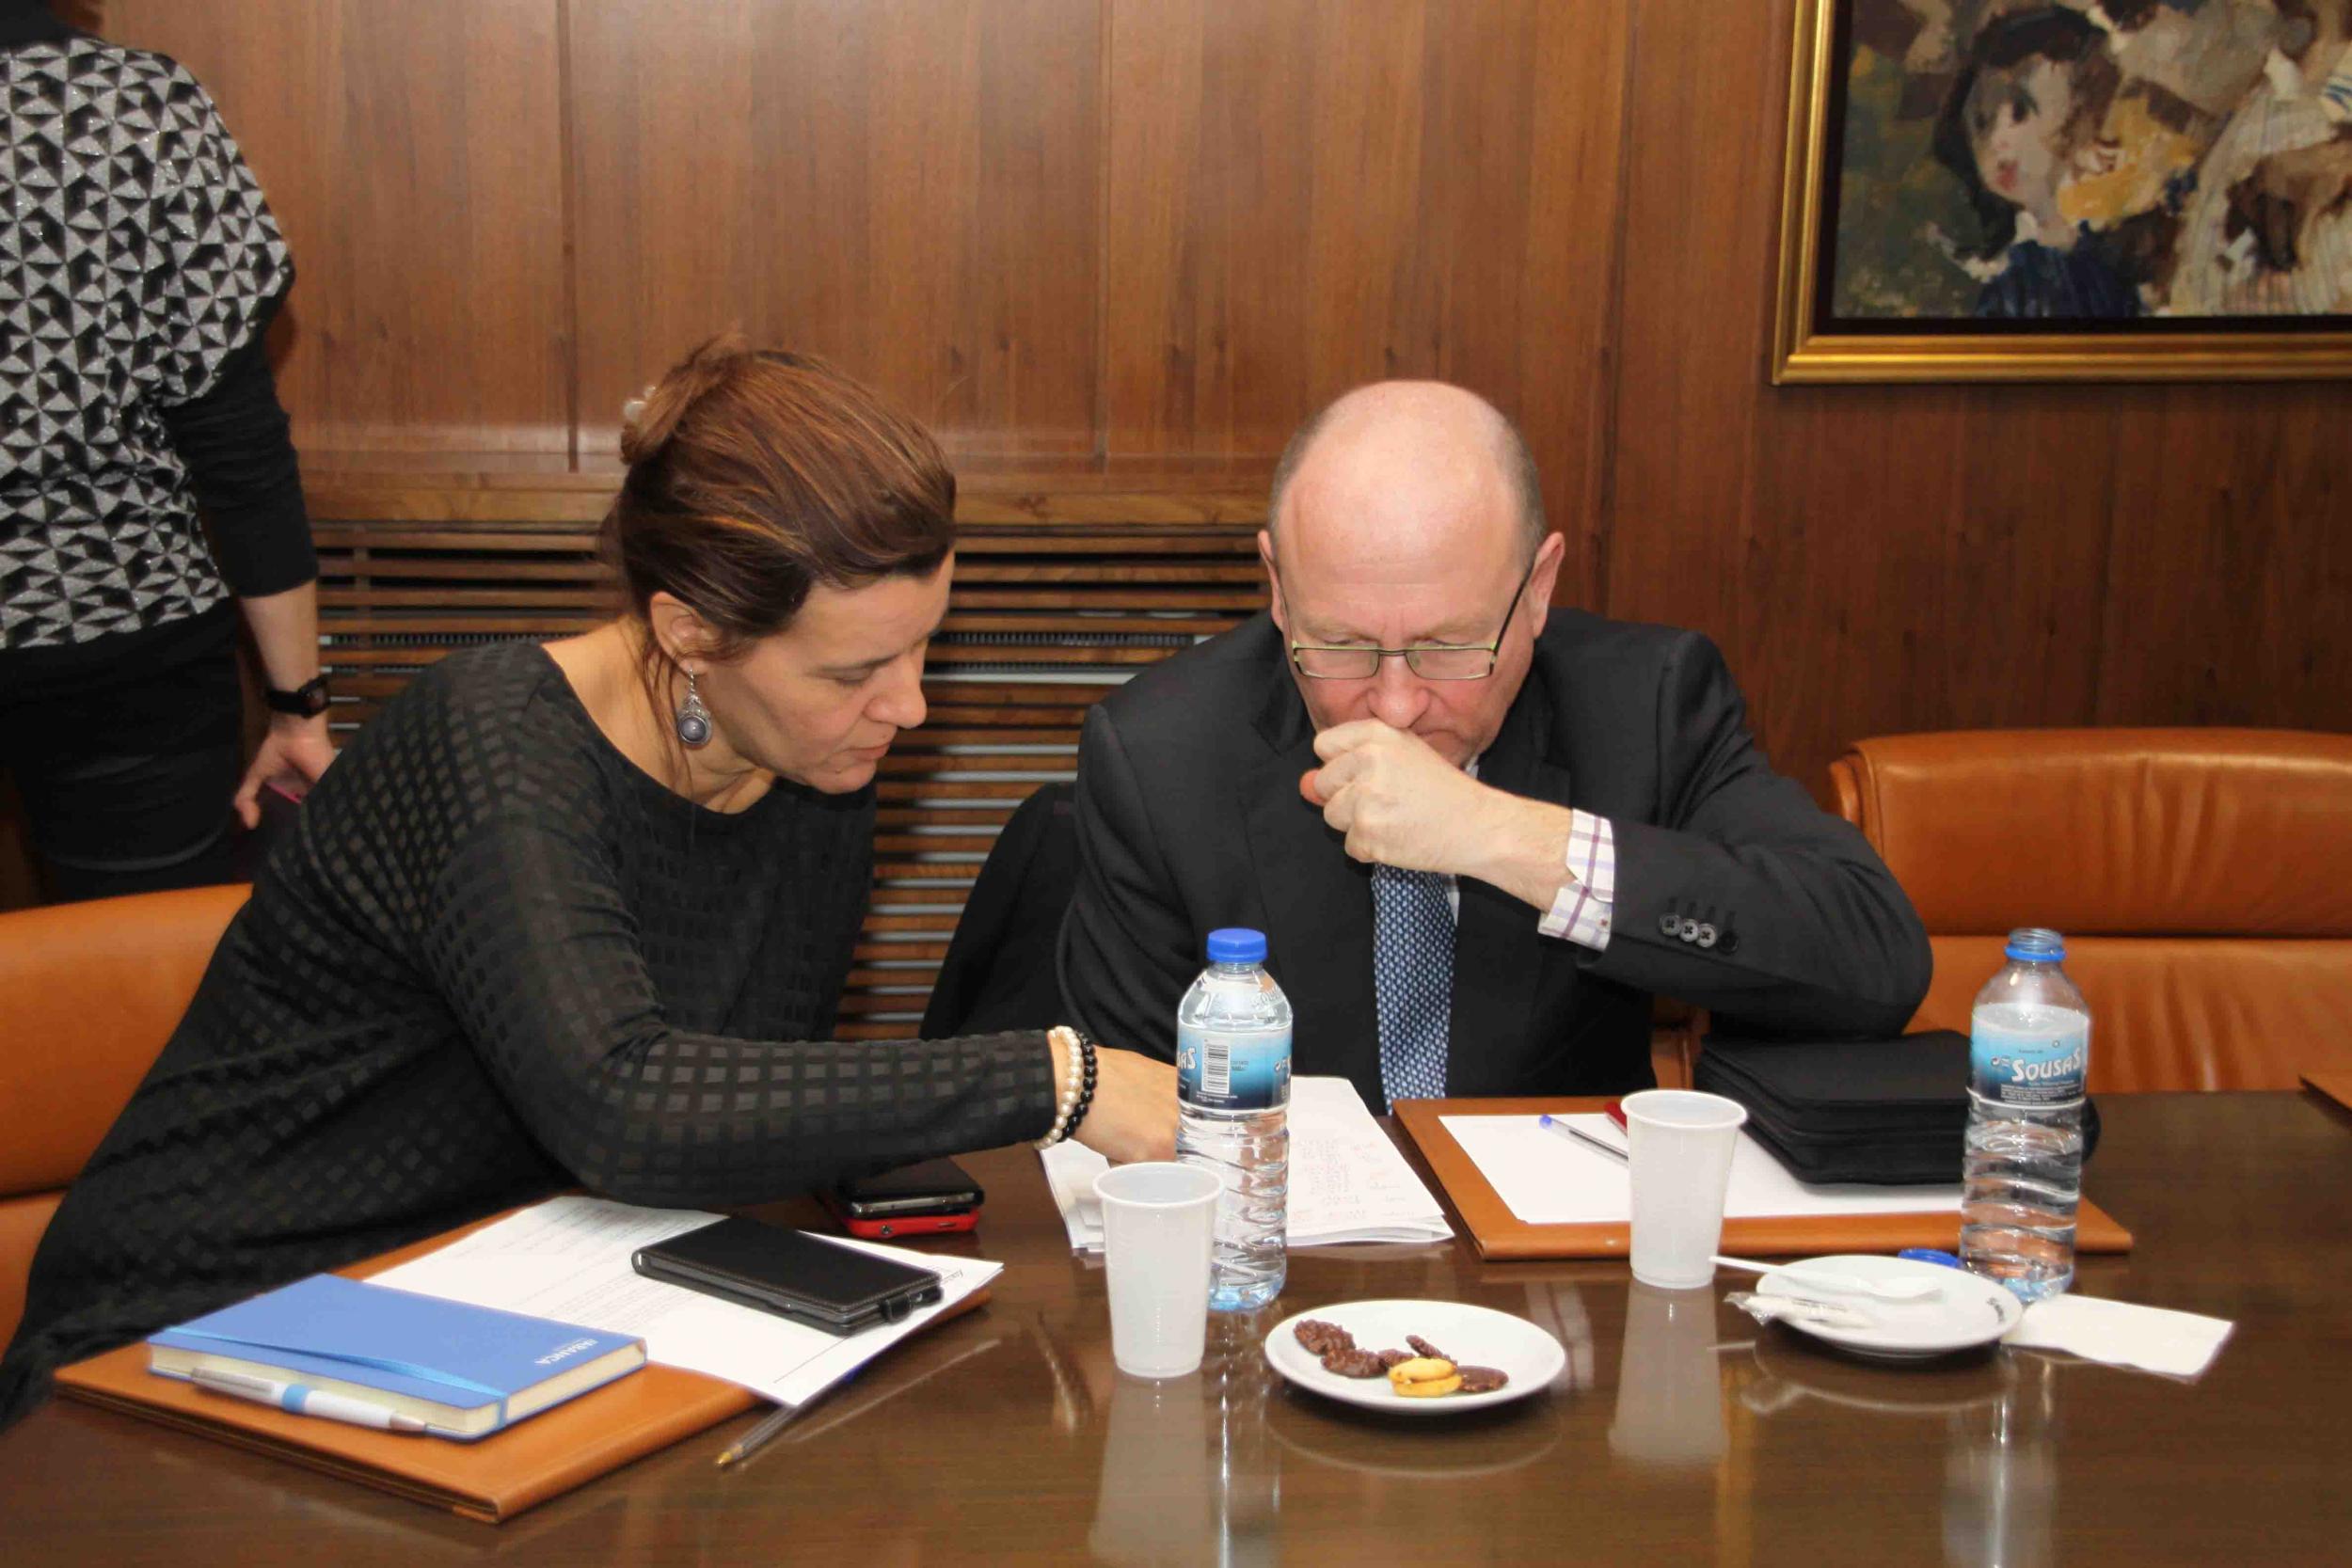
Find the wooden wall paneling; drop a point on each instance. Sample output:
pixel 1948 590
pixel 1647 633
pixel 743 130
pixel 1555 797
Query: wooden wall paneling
pixel 1574 267
pixel 909 188
pixel 1206 145
pixel 1504 270
pixel 412 155
pixel 1872 559
pixel 1926 557
pixel 2229 592
pixel 2018 551
pixel 1697 243
pixel 1311 194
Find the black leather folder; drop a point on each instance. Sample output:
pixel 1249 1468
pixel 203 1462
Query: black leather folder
pixel 1892 1112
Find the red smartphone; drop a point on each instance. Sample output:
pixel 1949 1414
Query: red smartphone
pixel 886 1227
pixel 924 1199
pixel 890 1228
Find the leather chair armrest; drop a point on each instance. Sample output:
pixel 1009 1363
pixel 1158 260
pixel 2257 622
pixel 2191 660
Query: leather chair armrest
pixel 88 995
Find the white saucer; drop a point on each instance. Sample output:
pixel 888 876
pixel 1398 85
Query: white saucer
pixel 1474 1336
pixel 1969 1311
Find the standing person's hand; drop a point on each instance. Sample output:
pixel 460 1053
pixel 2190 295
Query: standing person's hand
pixel 290 758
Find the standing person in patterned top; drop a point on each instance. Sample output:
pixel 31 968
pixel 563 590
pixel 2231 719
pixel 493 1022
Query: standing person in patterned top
pixel 580 915
pixel 139 268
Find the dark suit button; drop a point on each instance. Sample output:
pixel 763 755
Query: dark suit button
pixel 1728 943
pixel 1669 924
pixel 1707 935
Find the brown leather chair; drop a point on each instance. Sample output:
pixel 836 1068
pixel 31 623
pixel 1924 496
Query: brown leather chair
pixel 88 995
pixel 2203 878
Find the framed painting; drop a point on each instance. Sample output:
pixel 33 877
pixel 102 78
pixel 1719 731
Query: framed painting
pixel 1987 190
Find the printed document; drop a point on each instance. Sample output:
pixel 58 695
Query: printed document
pixel 569 1259
pixel 1348 1182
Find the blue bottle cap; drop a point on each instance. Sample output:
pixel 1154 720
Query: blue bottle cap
pixel 2035 945
pixel 1931 1255
pixel 1237 945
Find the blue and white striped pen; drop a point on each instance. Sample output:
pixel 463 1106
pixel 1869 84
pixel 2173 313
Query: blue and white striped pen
pixel 1559 1124
pixel 303 1400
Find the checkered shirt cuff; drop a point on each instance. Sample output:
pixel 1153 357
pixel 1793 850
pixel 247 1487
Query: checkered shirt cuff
pixel 1580 911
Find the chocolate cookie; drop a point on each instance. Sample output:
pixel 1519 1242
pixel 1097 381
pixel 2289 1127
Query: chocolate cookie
pixel 1351 1362
pixel 1322 1337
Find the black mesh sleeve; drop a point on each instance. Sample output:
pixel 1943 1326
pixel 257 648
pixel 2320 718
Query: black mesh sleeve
pixel 235 441
pixel 533 948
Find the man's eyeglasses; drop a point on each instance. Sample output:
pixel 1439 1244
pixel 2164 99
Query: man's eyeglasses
pixel 1431 662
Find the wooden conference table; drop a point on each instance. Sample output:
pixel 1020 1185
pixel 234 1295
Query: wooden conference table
pixel 1679 1433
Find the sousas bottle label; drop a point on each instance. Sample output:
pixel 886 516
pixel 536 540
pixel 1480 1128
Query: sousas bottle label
pixel 2030 1069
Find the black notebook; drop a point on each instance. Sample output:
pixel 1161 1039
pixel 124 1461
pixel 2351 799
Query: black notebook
pixel 1891 1111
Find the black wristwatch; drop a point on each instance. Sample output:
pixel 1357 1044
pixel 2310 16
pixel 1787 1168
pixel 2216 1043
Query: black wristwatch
pixel 307 701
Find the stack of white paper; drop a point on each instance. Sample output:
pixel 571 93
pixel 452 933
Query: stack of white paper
pixel 1548 1180
pixel 568 1258
pixel 1348 1182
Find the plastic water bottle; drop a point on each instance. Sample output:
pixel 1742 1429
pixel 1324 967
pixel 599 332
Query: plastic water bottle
pixel 1233 1094
pixel 2029 1056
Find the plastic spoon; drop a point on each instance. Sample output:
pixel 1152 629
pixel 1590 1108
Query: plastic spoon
pixel 1845 1284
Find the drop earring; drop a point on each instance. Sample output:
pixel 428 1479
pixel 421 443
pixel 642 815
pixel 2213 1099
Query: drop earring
pixel 693 719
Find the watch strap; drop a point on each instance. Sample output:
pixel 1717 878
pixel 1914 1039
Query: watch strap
pixel 307 701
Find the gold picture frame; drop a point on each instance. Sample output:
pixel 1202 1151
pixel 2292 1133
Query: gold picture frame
pixel 1813 345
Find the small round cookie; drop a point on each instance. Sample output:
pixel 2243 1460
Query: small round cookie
pixel 1423 1377
pixel 1482 1379
pixel 1431 1389
pixel 1321 1338
pixel 1352 1362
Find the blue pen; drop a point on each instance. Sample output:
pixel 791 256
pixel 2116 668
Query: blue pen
pixel 1555 1124
pixel 1929 1254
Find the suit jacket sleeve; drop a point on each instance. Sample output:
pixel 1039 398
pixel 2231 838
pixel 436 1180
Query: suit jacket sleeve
pixel 1817 934
pixel 1126 952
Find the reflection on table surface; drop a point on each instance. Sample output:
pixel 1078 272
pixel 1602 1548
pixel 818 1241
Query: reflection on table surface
pixel 1677 1430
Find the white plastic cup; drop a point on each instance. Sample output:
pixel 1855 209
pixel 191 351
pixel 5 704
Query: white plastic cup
pixel 1681 1144
pixel 1159 1221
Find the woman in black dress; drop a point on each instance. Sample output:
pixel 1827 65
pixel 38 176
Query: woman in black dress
pixel 579 915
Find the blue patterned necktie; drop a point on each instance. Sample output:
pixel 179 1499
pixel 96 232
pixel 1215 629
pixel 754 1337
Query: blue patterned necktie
pixel 1413 977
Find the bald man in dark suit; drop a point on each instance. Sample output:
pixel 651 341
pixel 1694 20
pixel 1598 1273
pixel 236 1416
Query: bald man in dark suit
pixel 1478 834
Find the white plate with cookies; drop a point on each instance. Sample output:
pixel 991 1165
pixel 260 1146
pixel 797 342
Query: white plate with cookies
pixel 1417 1357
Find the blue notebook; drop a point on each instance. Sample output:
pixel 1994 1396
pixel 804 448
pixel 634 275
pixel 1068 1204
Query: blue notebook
pixel 465 1372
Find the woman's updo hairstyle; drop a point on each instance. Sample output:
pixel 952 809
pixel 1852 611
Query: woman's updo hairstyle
pixel 754 476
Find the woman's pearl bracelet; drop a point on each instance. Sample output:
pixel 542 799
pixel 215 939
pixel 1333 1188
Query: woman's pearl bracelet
pixel 1077 1085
